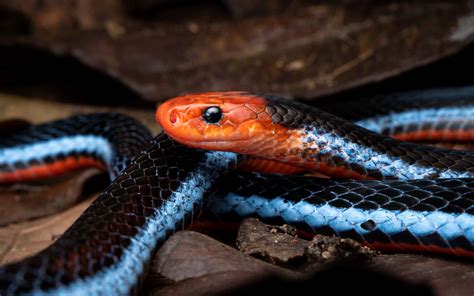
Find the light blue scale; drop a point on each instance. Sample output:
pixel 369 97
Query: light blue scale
pixel 54 147
pixel 370 159
pixel 417 117
pixel 419 223
pixel 119 278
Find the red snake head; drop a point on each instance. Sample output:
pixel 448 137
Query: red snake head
pixel 228 121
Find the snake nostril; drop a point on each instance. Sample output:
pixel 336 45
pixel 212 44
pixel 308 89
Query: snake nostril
pixel 173 117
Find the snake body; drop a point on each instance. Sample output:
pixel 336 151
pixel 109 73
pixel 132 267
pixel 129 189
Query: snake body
pixel 104 140
pixel 422 116
pixel 403 216
pixel 394 208
pixel 300 135
pixel 107 250
pixel 159 184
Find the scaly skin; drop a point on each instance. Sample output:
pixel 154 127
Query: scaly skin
pixel 245 124
pixel 104 140
pixel 407 214
pixel 299 135
pixel 443 114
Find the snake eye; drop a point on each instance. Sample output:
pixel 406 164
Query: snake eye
pixel 212 114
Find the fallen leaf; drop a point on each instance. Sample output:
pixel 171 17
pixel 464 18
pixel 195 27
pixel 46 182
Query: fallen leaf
pixel 246 8
pixel 49 16
pixel 308 51
pixel 446 277
pixel 27 201
pixel 199 265
pixel 23 239
pixel 190 254
pixel 22 109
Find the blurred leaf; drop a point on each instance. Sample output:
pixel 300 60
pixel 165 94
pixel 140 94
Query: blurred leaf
pixel 23 239
pixel 446 277
pixel 204 265
pixel 26 201
pixel 52 16
pixel 310 50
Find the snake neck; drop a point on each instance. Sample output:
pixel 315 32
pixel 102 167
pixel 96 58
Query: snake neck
pixel 338 155
pixel 107 250
pixel 332 146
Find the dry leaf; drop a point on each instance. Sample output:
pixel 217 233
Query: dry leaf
pixel 48 16
pixel 207 265
pixel 446 277
pixel 23 239
pixel 33 110
pixel 27 201
pixel 310 50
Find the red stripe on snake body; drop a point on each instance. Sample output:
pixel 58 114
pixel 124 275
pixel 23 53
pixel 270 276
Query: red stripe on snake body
pixel 56 168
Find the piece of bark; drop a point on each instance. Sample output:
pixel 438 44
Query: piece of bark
pixel 337 280
pixel 267 242
pixel 330 248
pixel 311 50
pixel 446 277
pixel 280 245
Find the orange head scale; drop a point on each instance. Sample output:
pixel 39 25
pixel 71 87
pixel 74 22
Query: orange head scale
pixel 226 121
pixel 264 127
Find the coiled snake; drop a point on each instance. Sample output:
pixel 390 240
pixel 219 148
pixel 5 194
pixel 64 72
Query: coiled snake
pixel 400 196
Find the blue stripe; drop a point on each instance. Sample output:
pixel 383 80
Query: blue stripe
pixel 422 223
pixel 418 117
pixel 54 147
pixel 120 278
pixel 389 166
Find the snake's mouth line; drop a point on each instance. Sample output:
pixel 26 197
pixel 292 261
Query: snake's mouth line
pixel 203 141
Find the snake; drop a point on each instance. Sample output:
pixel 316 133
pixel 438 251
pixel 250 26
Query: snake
pixel 421 199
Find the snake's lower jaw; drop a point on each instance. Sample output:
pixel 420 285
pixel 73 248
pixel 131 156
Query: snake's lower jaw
pixel 212 145
pixel 161 116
